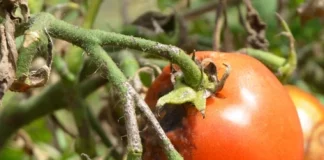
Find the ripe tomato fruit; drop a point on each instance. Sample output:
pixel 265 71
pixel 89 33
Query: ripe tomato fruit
pixel 311 116
pixel 251 118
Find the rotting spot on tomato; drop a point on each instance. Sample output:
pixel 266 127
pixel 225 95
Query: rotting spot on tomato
pixel 252 117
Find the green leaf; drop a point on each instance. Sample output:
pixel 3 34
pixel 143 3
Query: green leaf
pixel 184 94
pixel 163 4
pixel 35 6
pixel 39 132
pixel 12 153
pixel 180 95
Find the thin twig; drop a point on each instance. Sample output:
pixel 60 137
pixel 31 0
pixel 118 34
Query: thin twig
pixel 68 32
pixel 192 14
pixel 96 126
pixel 124 11
pixel 28 144
pixel 219 21
pixel 228 35
pixel 85 142
pixel 133 137
pixel 60 125
pixel 167 145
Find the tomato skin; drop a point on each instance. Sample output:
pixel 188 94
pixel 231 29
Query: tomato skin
pixel 311 115
pixel 251 118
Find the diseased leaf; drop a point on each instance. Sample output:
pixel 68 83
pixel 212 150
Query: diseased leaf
pixel 7 58
pixel 255 27
pixel 156 22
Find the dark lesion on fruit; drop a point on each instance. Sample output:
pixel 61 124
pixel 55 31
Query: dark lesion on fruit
pixel 172 117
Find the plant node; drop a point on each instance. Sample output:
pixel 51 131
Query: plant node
pixel 182 93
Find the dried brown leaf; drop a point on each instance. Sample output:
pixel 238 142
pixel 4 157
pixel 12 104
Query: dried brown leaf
pixel 10 6
pixel 7 65
pixel 156 22
pixel 255 27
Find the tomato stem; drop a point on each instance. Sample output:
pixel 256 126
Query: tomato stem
pixel 291 63
pixel 91 41
pixel 283 66
pixel 269 59
pixel 84 37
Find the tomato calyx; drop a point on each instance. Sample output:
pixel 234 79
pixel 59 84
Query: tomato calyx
pixel 182 93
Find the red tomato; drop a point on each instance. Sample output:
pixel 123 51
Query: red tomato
pixel 251 118
pixel 311 115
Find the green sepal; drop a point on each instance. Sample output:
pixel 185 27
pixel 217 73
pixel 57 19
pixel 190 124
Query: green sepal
pixel 184 94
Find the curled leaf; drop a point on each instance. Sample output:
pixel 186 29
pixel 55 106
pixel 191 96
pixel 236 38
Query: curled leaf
pixel 179 95
pixel 10 6
pixel 255 27
pixel 39 77
pixel 182 95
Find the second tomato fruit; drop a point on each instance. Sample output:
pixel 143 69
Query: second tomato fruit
pixel 311 115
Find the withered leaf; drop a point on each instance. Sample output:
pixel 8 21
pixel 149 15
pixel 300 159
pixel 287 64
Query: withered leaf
pixel 156 22
pixel 255 27
pixel 10 6
pixel 7 65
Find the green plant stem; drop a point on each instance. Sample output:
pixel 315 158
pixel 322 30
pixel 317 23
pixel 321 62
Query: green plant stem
pixel 117 78
pixel 61 68
pixel 290 66
pixel 15 115
pixel 98 129
pixel 127 94
pixel 75 58
pixel 92 40
pixel 269 59
pixel 35 41
pixel 83 37
pixel 171 153
pixel 85 142
pixel 126 61
pixel 68 77
pixel 147 61
pixel 92 13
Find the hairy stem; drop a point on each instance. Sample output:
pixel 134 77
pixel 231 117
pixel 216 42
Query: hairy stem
pixel 269 59
pixel 84 37
pixel 74 58
pixel 92 40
